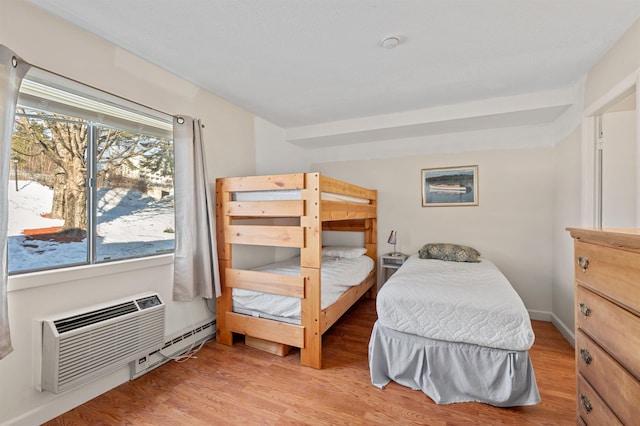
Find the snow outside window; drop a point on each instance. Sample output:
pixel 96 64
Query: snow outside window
pixel 91 178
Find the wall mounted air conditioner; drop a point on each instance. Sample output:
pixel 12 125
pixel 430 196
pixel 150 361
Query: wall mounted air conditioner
pixel 78 347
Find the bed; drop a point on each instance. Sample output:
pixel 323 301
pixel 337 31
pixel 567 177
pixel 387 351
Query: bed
pixel 458 331
pixel 291 211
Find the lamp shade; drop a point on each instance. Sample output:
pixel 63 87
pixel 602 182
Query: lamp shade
pixel 392 237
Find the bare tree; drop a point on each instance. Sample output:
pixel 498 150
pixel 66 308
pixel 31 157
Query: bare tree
pixel 63 141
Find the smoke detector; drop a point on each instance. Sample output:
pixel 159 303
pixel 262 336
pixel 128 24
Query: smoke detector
pixel 390 42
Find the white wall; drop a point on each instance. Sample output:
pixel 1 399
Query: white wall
pixel 58 46
pixel 511 226
pixel 273 154
pixel 566 213
pixel 619 170
pixel 619 61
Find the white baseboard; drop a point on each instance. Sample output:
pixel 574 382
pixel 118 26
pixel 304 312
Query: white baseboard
pixel 564 330
pixel 540 315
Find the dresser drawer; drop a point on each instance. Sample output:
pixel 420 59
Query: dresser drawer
pixel 591 408
pixel 610 271
pixel 619 389
pixel 612 327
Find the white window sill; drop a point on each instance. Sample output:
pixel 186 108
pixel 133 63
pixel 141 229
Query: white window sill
pixel 56 276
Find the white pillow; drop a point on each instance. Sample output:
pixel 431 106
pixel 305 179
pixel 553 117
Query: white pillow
pixel 347 252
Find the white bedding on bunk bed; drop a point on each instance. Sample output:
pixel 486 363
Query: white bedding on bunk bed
pixel 337 276
pixel 455 302
pixel 292 194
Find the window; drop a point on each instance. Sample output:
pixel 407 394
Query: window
pixel 92 178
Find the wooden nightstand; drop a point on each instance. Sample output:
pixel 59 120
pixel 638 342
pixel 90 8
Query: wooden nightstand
pixel 390 264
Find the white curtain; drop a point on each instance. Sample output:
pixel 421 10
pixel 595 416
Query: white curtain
pixel 196 260
pixel 12 69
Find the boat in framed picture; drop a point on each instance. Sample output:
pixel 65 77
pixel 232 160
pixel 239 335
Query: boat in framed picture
pixel 450 186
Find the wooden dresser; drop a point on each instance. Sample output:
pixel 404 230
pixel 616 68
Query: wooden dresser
pixel 607 315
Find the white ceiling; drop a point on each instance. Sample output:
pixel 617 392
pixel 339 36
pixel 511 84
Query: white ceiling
pixel 302 63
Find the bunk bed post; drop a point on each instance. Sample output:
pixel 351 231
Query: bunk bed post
pixel 311 258
pixel 371 244
pixel 224 302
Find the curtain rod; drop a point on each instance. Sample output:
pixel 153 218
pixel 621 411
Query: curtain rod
pixel 98 89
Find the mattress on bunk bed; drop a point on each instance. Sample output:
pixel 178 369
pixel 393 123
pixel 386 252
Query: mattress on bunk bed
pixel 337 276
pixel 455 302
pixel 292 194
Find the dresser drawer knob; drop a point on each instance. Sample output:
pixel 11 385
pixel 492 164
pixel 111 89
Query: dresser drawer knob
pixel 583 262
pixel 586 404
pixel 586 356
pixel 585 309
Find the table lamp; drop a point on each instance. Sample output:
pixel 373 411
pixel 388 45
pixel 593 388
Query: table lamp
pixel 392 240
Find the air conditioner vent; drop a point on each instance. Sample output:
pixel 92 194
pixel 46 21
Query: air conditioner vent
pixel 78 347
pixel 94 317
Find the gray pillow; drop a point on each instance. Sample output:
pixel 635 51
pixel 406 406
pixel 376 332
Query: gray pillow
pixel 451 252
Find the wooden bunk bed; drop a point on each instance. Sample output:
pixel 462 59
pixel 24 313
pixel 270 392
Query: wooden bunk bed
pixel 235 225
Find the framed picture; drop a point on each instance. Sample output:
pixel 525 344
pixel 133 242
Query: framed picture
pixel 450 186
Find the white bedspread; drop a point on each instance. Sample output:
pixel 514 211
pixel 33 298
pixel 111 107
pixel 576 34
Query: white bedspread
pixel 456 302
pixel 337 275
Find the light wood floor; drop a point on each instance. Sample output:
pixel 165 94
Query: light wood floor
pixel 241 385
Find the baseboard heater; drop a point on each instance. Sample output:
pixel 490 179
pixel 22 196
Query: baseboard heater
pixel 175 345
pixel 80 346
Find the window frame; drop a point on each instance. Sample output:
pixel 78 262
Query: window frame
pixel 123 110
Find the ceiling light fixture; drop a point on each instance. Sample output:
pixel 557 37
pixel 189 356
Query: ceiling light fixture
pixel 390 42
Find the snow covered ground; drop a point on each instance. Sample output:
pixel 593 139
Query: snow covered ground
pixel 130 224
